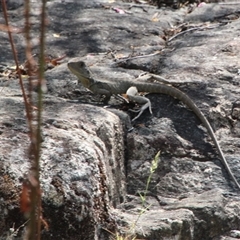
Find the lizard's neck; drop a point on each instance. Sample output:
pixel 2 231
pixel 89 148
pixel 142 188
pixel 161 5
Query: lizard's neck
pixel 86 81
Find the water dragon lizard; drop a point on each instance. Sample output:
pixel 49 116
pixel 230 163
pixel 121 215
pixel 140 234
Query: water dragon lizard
pixel 131 88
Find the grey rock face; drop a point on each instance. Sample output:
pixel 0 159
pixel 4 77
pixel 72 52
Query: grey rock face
pixel 13 4
pixel 92 167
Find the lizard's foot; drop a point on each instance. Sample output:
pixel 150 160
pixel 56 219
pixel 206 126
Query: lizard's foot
pixel 142 109
pixel 105 99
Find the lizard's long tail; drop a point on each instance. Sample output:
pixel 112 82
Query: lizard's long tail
pixel 174 92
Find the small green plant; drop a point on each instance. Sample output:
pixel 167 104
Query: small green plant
pixel 119 237
pixel 131 234
pixel 153 168
pixel 13 232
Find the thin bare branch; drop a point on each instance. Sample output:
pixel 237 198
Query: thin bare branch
pixel 27 106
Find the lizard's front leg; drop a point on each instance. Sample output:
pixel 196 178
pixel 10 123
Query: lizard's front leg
pixel 132 95
pixel 97 88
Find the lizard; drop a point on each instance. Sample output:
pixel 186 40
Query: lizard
pixel 131 88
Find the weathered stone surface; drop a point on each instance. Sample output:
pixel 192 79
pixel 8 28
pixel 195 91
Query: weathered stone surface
pixel 12 4
pixel 180 3
pixel 92 169
pixel 82 157
pixel 197 216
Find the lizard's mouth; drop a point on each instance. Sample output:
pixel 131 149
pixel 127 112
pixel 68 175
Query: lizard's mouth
pixel 72 68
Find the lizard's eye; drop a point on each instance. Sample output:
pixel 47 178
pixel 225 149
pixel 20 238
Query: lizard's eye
pixel 81 64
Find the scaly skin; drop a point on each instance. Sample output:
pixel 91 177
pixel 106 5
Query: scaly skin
pixel 108 88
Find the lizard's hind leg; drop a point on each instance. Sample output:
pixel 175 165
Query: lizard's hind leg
pixel 133 95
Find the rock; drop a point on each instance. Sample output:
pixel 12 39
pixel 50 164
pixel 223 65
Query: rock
pixel 12 4
pixel 94 161
pixel 82 156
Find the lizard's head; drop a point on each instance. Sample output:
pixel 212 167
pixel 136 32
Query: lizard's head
pixel 79 68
